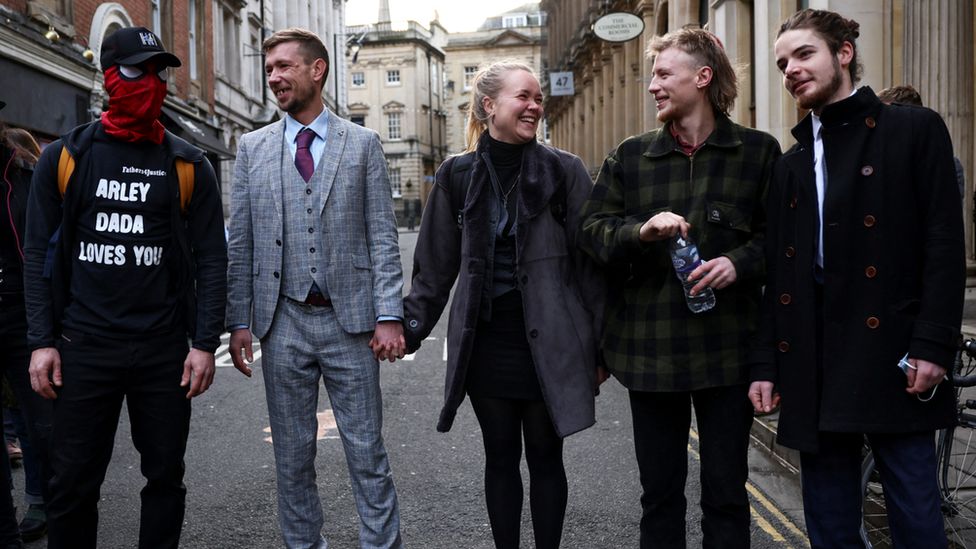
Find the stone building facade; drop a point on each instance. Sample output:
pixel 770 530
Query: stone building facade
pixel 926 43
pixel 396 87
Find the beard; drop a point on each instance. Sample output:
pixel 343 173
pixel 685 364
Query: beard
pixel 822 96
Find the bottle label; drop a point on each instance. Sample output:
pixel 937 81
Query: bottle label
pixel 685 259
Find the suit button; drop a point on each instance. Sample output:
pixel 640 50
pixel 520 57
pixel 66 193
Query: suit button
pixel 869 220
pixel 785 299
pixel 793 203
pixel 311 250
pixel 311 230
pixel 869 122
pixel 871 271
pixel 278 242
pixel 790 251
pixel 867 170
pixel 533 333
pixel 872 322
pixel 413 323
pixel 783 346
pixel 276 275
pixel 308 210
pixel 314 270
pixel 308 191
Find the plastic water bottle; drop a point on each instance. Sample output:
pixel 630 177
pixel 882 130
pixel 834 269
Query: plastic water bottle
pixel 684 257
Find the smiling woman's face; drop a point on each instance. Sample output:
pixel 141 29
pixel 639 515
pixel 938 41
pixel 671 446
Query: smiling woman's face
pixel 515 114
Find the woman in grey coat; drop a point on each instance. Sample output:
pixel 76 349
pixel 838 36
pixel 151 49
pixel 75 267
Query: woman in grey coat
pixel 502 220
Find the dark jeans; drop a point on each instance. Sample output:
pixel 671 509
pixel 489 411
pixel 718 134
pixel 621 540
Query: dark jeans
pixel 504 423
pixel 98 373
pixel 37 412
pixel 832 489
pixel 661 425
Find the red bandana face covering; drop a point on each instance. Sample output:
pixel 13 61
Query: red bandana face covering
pixel 134 107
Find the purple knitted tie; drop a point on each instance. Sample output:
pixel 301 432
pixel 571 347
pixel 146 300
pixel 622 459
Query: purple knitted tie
pixel 303 156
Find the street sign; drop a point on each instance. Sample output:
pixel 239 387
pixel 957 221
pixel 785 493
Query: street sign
pixel 618 27
pixel 561 83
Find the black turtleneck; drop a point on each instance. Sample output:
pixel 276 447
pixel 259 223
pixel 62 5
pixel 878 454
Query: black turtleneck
pixel 506 159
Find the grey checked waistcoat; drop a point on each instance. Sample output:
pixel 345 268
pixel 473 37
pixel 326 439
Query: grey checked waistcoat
pixel 302 254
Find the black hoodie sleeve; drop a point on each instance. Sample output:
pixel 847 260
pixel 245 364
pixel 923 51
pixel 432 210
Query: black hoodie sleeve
pixel 43 219
pixel 208 244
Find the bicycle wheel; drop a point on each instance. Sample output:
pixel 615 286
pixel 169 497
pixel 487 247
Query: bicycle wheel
pixel 874 519
pixel 957 482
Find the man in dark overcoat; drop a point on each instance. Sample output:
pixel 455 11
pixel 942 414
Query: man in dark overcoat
pixel 865 267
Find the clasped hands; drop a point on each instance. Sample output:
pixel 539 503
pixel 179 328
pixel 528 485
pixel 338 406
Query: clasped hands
pixel 388 342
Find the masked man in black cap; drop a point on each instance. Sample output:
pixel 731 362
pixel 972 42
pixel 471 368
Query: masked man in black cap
pixel 124 262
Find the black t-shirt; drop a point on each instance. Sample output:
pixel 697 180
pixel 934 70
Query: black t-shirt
pixel 120 282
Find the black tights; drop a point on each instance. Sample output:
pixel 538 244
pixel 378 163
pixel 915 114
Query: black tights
pixel 503 423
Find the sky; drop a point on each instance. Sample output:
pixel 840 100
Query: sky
pixel 455 15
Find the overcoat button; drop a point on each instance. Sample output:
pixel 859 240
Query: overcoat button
pixel 790 252
pixel 872 322
pixel 869 220
pixel 793 203
pixel 276 275
pixel 534 333
pixel 869 122
pixel 867 170
pixel 871 271
pixel 783 346
pixel 785 299
pixel 414 323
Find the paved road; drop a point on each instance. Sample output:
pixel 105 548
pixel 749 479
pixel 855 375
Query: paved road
pixel 230 471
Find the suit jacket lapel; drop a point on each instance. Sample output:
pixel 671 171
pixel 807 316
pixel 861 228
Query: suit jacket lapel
pixel 274 148
pixel 329 164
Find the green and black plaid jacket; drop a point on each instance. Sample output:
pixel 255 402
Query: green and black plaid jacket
pixel 652 342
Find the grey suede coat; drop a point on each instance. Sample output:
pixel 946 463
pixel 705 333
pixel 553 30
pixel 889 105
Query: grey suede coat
pixel 562 290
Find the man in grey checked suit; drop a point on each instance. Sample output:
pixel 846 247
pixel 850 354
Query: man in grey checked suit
pixel 314 272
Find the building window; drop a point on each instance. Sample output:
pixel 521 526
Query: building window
pixel 227 42
pixel 358 119
pixel 469 72
pixel 157 18
pixel 393 125
pixel 395 184
pixel 358 79
pixel 510 21
pixel 255 66
pixel 393 77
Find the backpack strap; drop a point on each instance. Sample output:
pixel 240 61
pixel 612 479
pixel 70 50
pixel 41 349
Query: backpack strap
pixel 460 177
pixel 185 173
pixel 66 166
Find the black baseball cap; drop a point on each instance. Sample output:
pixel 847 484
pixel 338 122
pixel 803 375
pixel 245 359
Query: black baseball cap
pixel 133 45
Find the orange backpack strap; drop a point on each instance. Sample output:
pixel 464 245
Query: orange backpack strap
pixel 66 166
pixel 185 173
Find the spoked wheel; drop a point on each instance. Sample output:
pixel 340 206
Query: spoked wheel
pixel 874 522
pixel 957 482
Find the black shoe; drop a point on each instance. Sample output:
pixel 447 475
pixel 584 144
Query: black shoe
pixel 34 524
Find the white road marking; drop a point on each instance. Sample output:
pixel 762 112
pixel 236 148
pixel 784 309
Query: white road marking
pixel 222 358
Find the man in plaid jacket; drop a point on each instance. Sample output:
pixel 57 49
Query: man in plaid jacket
pixel 702 176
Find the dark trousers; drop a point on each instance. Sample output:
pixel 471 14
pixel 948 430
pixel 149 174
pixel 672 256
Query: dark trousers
pixel 661 426
pixel 832 489
pixel 98 373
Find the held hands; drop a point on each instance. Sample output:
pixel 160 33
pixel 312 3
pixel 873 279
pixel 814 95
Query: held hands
pixel 240 350
pixel 922 375
pixel 45 371
pixel 663 226
pixel 388 342
pixel 198 372
pixel 763 396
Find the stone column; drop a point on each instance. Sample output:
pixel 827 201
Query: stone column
pixel 776 111
pixel 732 22
pixel 939 52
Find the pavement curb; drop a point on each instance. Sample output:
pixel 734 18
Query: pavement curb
pixel 764 436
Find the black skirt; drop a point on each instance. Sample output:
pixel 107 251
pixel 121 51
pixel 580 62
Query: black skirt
pixel 501 365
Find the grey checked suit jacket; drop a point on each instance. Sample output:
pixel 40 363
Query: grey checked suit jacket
pixel 359 237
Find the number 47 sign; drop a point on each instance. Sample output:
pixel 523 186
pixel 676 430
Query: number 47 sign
pixel 561 83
